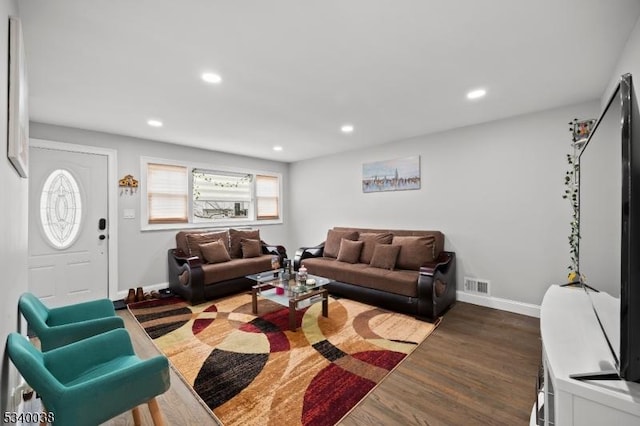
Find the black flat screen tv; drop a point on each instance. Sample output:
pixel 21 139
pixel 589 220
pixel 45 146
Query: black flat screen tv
pixel 609 226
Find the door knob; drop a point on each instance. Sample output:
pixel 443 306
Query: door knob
pixel 102 237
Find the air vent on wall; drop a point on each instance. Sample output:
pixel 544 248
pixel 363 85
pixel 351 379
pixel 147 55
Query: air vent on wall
pixel 475 285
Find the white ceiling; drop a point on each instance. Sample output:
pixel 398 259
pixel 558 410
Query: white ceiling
pixel 294 71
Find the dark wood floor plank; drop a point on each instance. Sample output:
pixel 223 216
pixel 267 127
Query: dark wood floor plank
pixel 478 368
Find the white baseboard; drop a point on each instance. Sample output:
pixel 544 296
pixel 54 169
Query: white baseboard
pixel 502 304
pixel 123 293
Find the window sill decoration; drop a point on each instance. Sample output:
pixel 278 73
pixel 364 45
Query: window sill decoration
pixel 580 131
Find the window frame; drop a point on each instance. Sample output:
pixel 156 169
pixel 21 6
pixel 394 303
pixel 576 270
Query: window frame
pixel 251 221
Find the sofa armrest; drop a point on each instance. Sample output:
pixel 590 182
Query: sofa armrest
pixel 437 286
pixel 307 252
pixel 442 264
pixel 276 250
pixel 186 277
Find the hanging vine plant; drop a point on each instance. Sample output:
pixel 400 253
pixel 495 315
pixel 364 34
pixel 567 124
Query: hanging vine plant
pixel 580 131
pixel 571 194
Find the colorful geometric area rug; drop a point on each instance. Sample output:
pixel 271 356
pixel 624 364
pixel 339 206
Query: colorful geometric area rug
pixel 252 370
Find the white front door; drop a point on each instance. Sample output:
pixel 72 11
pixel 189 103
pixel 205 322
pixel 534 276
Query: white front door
pixel 68 226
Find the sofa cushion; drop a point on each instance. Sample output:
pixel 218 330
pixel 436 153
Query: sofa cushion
pixel 370 240
pixel 236 236
pixel 385 256
pixel 250 248
pixel 194 241
pixel 181 238
pixel 332 243
pixel 215 252
pixel 349 251
pixel 235 268
pixel 414 251
pixel 400 282
pixel 437 235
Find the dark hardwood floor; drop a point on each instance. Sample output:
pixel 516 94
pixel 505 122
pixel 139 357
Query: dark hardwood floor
pixel 478 368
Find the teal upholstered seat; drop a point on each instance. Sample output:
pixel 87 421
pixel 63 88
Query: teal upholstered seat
pixel 92 380
pixel 60 326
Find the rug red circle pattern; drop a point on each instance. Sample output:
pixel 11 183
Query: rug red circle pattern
pixel 251 369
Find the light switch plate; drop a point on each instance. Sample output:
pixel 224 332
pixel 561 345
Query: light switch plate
pixel 129 213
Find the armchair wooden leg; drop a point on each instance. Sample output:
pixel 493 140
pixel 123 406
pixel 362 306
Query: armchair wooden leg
pixel 136 416
pixel 156 414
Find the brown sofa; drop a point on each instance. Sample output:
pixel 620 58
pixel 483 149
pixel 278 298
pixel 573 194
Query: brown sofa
pixel 209 264
pixel 416 276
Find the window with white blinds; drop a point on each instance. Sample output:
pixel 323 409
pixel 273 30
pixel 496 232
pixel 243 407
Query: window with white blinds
pixel 167 193
pixel 267 197
pixel 178 193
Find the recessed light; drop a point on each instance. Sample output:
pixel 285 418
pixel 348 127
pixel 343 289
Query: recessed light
pixel 347 128
pixel 154 123
pixel 476 94
pixel 212 78
pixel 277 148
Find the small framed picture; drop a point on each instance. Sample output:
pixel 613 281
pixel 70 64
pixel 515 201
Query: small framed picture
pixel 581 129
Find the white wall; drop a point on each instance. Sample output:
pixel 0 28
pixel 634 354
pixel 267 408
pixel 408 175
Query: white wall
pixel 494 189
pixel 142 256
pixel 629 62
pixel 13 225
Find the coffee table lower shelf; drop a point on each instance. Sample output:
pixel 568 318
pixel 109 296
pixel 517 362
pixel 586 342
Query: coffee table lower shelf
pixel 294 303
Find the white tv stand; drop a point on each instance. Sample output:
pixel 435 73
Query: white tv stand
pixel 573 343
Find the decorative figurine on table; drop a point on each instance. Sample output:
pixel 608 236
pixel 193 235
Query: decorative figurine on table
pixel 302 278
pixel 275 265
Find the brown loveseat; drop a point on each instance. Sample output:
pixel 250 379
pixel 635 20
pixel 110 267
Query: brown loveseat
pixel 402 270
pixel 209 264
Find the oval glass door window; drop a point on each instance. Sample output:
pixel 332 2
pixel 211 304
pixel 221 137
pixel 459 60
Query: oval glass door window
pixel 60 208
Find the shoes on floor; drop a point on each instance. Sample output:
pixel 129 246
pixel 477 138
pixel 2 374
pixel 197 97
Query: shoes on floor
pixel 131 297
pixel 138 295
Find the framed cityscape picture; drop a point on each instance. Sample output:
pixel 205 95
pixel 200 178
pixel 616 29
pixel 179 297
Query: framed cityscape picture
pixel 391 175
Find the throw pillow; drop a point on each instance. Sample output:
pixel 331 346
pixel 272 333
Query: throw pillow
pixel 370 240
pixel 384 256
pixel 236 236
pixel 215 252
pixel 251 248
pixel 332 243
pixel 416 251
pixel 349 251
pixel 194 241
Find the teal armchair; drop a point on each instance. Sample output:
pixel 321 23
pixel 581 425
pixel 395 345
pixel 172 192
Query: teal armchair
pixel 60 326
pixel 90 381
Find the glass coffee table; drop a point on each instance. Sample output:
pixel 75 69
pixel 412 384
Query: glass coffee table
pixel 289 293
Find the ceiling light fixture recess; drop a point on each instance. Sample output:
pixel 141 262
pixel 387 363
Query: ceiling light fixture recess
pixel 476 94
pixel 154 123
pixel 277 148
pixel 347 128
pixel 212 78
